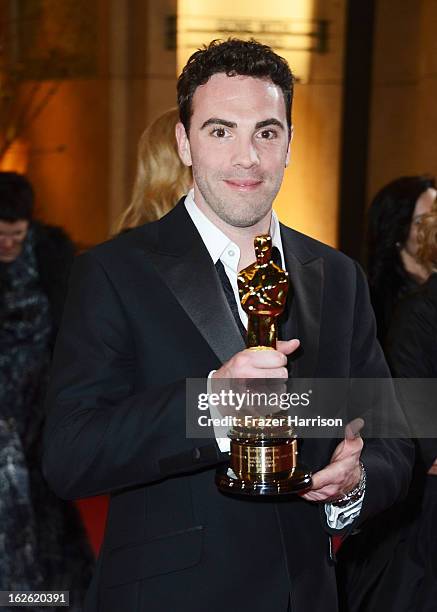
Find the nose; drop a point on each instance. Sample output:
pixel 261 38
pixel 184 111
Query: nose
pixel 245 153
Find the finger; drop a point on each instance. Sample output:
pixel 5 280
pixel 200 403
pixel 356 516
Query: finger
pixel 263 372
pixel 287 346
pixel 336 474
pixel 352 429
pixel 265 359
pixel 326 476
pixel 339 483
pixel 323 495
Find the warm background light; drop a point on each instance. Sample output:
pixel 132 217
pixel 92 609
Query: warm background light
pixel 199 22
pixel 16 157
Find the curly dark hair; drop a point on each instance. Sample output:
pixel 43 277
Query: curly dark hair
pixel 16 197
pixel 389 220
pixel 233 57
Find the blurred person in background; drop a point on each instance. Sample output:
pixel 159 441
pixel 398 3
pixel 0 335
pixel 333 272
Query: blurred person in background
pixel 42 544
pixel 161 180
pixel 393 268
pixel 412 338
pixel 412 353
pixel 393 566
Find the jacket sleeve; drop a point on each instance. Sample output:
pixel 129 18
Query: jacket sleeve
pixel 101 436
pixel 388 461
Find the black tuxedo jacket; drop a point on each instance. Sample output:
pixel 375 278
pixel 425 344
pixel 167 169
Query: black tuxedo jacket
pixel 146 311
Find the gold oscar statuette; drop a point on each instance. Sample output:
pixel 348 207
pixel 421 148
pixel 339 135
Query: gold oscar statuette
pixel 263 459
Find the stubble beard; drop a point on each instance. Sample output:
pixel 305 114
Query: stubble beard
pixel 239 210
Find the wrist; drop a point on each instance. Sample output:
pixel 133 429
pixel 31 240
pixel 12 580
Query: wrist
pixel 354 494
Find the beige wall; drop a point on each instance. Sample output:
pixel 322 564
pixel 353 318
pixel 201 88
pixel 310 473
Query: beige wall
pixel 404 99
pixel 68 140
pixel 308 200
pixel 149 87
pixel 71 185
pixel 97 120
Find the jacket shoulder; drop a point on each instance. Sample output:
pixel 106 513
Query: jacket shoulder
pixel 125 242
pixel 147 237
pixel 307 248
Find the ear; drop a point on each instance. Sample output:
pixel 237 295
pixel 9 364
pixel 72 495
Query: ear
pixel 287 159
pixel 183 144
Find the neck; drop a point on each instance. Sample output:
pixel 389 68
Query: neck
pixel 243 237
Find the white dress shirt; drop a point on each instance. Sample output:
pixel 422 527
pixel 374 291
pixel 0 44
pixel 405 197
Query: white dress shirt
pixel 220 247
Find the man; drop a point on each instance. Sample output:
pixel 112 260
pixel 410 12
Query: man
pixel 149 310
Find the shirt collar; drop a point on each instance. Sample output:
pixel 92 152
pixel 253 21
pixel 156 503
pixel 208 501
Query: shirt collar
pixel 215 240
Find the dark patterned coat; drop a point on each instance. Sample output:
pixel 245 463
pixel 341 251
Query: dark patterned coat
pixel 42 542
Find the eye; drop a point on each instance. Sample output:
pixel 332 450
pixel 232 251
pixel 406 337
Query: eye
pixel 219 132
pixel 269 134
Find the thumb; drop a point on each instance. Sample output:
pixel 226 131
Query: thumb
pixel 286 347
pixel 352 442
pixel 352 429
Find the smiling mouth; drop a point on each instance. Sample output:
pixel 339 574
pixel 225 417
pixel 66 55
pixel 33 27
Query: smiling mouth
pixel 243 184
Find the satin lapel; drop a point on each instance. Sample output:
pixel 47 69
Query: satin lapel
pixel 304 315
pixel 189 273
pixel 288 324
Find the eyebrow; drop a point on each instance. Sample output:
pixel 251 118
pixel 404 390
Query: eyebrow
pixel 232 124
pixel 267 122
pixel 217 121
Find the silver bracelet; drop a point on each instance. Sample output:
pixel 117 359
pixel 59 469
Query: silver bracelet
pixel 355 494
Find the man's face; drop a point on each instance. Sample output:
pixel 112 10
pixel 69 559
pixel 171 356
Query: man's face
pixel 238 146
pixel 12 236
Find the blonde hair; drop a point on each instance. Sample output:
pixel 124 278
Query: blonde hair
pixel 161 180
pixel 427 240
